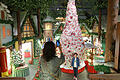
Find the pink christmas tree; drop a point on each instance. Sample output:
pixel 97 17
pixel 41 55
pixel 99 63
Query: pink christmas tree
pixel 71 39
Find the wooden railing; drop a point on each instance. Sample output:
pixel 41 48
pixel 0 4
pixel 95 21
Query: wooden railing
pixel 104 76
pixel 12 78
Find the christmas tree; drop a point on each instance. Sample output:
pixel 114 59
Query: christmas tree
pixel 71 39
pixel 16 59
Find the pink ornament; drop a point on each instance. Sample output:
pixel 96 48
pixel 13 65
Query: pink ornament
pixel 71 17
pixel 69 21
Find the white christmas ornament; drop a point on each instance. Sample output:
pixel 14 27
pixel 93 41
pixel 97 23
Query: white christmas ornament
pixel 71 39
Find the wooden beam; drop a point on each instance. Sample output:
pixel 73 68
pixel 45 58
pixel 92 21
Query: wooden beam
pixel 112 17
pixel 38 21
pixel 99 28
pixel 117 47
pixel 18 28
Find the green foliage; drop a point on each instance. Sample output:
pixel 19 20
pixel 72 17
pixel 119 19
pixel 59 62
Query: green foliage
pixel 36 48
pixel 102 68
pixel 89 22
pixel 6 21
pixel 15 4
pixel 16 58
pixel 28 4
pixel 100 4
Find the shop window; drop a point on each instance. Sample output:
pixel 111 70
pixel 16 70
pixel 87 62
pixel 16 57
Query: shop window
pixel 28 29
pixel 2 15
pixel 3 29
pixel 8 32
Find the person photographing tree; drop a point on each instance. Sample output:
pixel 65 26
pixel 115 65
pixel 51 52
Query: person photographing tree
pixel 75 64
pixel 50 63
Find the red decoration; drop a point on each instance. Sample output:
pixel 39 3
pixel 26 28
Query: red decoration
pixel 34 78
pixel 86 62
pixel 10 71
pixel 2 15
pixel 27 54
pixel 30 62
pixel 3 59
pixel 37 58
pixel 73 33
pixel 91 69
pixel 38 66
pixel 71 17
pixel 71 71
pixel 69 21
pixel 0 71
pixel 36 75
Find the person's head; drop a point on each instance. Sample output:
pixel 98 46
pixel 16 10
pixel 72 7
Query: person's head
pixel 49 51
pixel 75 54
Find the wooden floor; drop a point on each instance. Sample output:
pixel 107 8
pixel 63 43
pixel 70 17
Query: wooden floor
pixel 104 76
pixel 12 78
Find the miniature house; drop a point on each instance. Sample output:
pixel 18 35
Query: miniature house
pixel 5 37
pixel 5 26
pixel 48 27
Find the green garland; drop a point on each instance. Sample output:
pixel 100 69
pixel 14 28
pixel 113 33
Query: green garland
pixel 93 33
pixel 36 48
pixel 6 21
pixel 28 38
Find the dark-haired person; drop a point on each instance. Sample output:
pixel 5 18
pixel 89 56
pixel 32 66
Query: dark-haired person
pixel 50 63
pixel 75 64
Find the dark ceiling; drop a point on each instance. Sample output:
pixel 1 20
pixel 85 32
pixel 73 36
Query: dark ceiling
pixel 85 8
